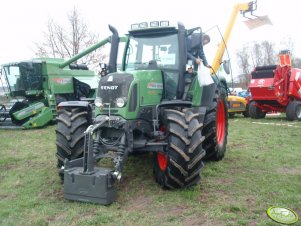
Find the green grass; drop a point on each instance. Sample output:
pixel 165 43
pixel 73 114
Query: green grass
pixel 261 169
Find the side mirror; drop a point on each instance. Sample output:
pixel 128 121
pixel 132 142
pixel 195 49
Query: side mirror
pixel 226 66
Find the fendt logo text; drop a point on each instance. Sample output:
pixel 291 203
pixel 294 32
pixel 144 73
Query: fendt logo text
pixel 108 87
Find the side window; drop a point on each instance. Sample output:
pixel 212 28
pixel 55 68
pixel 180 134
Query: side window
pixel 132 58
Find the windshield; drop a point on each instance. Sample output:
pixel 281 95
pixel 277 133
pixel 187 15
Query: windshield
pixel 153 53
pixel 23 76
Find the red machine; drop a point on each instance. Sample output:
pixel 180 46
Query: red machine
pixel 276 88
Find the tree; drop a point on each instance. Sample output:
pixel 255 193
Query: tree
pixel 252 55
pixel 269 53
pixel 243 57
pixel 61 42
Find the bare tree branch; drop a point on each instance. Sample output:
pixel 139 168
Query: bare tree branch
pixel 66 42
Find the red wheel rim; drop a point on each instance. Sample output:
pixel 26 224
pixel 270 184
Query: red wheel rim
pixel 220 122
pixel 162 161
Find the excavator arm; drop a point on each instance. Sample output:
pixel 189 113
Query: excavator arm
pixel 242 8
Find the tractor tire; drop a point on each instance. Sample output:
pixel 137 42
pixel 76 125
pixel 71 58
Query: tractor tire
pixel 255 112
pixel 231 114
pixel 293 111
pixel 181 164
pixel 246 113
pixel 71 125
pixel 216 128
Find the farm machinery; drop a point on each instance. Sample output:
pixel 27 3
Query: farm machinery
pixel 276 88
pixel 151 105
pixel 37 86
pixel 237 105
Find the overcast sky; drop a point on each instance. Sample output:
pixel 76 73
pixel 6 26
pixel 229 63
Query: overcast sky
pixel 23 22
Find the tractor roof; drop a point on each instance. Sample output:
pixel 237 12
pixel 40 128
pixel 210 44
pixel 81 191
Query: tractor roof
pixel 153 28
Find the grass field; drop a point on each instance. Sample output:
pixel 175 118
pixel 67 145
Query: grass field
pixel 261 169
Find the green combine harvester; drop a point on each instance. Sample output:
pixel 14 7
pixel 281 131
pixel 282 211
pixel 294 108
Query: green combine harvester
pixel 36 87
pixel 150 105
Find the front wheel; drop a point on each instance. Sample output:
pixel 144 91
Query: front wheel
pixel 71 125
pixel 181 164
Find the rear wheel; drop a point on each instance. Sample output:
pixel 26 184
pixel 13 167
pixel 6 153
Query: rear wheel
pixel 71 125
pixel 293 111
pixel 181 164
pixel 255 112
pixel 216 128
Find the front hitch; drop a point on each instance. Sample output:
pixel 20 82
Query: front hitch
pixel 83 181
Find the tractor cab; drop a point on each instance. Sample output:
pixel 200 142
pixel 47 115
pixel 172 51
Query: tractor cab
pixel 151 50
pixel 153 70
pixel 159 46
pixel 24 78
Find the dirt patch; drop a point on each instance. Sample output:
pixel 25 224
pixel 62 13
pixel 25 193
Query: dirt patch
pixel 197 220
pixel 172 211
pixel 139 203
pixel 251 202
pixel 8 196
pixel 289 171
pixel 59 217
pixel 252 223
pixel 297 211
pixel 53 194
pixel 203 198
pixel 223 181
pixel 236 146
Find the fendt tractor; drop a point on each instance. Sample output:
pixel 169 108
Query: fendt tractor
pixel 276 88
pixel 151 105
pixel 36 87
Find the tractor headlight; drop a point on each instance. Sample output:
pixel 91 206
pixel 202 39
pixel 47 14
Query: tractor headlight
pixel 120 102
pixel 98 102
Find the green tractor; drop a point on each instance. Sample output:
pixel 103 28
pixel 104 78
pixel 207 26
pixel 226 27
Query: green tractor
pixel 150 105
pixel 36 87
